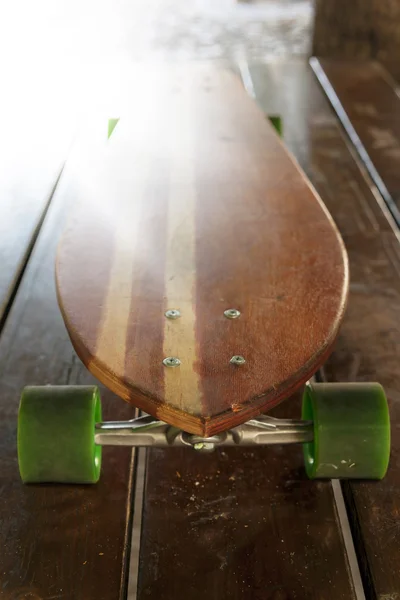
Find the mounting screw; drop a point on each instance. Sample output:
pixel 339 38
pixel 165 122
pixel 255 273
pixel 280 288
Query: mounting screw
pixel 171 361
pixel 232 313
pixel 237 360
pixel 173 313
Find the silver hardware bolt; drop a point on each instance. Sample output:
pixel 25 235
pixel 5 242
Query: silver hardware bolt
pixel 171 361
pixel 173 313
pixel 237 360
pixel 232 313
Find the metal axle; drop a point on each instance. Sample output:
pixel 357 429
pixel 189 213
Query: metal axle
pixel 147 431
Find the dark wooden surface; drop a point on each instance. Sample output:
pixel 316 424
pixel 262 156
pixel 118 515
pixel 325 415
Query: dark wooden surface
pixel 56 541
pixel 360 29
pixel 369 344
pixel 30 165
pixel 366 100
pixel 343 28
pixel 239 524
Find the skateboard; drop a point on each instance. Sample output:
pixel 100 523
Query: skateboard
pixel 202 279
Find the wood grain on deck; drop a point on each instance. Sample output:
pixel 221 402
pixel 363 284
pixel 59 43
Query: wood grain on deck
pixel 197 206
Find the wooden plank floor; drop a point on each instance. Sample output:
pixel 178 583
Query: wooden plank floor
pixel 239 524
pixel 366 99
pixel 28 175
pixel 369 345
pixel 56 541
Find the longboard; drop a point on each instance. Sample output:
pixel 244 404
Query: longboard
pixel 200 276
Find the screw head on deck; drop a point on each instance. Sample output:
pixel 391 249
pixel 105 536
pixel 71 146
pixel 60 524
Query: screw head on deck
pixel 173 313
pixel 232 313
pixel 171 361
pixel 237 360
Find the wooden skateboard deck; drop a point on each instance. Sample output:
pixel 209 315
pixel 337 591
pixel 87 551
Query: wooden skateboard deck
pixel 196 206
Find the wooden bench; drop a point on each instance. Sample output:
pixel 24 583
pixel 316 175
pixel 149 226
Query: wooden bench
pixel 235 524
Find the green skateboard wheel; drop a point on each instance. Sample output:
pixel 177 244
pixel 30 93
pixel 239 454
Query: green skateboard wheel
pixel 112 123
pixel 351 431
pixel 56 434
pixel 277 123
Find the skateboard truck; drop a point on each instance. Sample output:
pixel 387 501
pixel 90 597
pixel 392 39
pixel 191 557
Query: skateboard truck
pixel 146 431
pixel 345 432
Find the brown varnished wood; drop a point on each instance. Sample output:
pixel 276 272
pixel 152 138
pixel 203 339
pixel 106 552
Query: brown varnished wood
pixel 67 542
pixel 196 205
pixel 246 523
pixel 367 102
